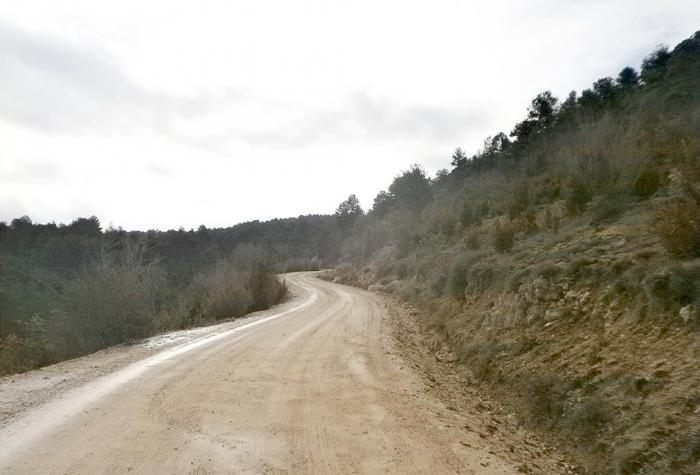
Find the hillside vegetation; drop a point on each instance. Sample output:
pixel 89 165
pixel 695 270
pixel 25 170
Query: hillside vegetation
pixel 560 265
pixel 67 290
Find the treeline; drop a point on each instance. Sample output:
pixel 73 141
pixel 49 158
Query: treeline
pixel 66 290
pixel 621 141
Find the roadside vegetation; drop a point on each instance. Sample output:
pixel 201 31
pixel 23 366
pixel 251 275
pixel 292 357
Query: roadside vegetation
pixel 560 264
pixel 67 290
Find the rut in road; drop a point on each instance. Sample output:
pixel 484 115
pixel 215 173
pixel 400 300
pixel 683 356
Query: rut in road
pixel 319 389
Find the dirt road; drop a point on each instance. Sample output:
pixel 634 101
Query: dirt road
pixel 316 386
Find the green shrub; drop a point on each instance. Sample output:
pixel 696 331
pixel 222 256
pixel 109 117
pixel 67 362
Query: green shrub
pixel 472 240
pixel 482 276
pixel 265 289
pixel 578 196
pixel 607 209
pixel 647 183
pixel 672 287
pixel 585 420
pixel 457 280
pixel 110 303
pixel 503 237
pixel 21 354
pixel 551 221
pixel 520 200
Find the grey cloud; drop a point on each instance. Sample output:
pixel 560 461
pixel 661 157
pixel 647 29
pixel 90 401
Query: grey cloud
pixel 367 118
pixel 50 84
pixel 386 119
pixel 362 118
pixel 32 172
pixel 53 85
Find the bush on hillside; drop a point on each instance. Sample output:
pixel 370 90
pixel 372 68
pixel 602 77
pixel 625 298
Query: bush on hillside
pixel 457 280
pixel 19 354
pixel 672 287
pixel 109 303
pixel 678 226
pixel 647 183
pixel 543 397
pixel 585 420
pixel 520 200
pixel 607 208
pixel 579 195
pixel 503 237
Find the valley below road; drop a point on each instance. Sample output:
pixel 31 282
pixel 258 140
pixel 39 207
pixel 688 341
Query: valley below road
pixel 320 384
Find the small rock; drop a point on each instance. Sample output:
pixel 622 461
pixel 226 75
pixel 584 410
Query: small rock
pixel 687 313
pixel 553 314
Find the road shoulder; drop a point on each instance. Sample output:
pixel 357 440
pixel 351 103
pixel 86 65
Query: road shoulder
pixel 485 425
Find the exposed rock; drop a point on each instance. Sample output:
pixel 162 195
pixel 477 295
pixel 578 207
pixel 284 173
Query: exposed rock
pixel 553 314
pixel 376 288
pixel 688 313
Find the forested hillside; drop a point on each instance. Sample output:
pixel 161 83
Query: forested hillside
pixel 560 264
pixel 66 290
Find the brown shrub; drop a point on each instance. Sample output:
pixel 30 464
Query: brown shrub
pixel 678 225
pixel 543 398
pixel 20 354
pixel 503 237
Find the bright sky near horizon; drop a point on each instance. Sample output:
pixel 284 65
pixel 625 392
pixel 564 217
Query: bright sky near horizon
pixel 161 114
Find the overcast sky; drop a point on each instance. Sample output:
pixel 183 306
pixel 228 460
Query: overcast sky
pixel 161 114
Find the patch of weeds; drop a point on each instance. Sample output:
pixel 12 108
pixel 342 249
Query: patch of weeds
pixel 438 280
pixel 481 276
pixel 585 420
pixel 671 287
pixel 607 209
pixel 578 267
pixel 548 271
pixel 678 226
pixel 543 398
pixel 629 459
pixel 522 345
pixel 457 280
pixel 629 281
pixel 482 359
pixel 685 453
pixel 516 279
pixel 647 183
pixel 503 237
pixel 578 196
pixel 472 240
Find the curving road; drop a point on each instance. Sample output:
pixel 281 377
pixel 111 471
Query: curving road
pixel 313 387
